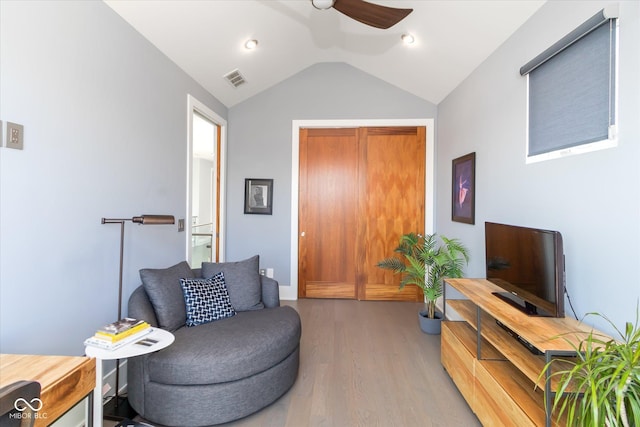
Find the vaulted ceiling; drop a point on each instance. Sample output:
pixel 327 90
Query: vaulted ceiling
pixel 206 39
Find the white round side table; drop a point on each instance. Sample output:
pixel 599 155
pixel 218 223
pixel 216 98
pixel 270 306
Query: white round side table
pixel 163 338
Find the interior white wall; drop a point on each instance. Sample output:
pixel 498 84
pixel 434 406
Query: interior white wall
pixel 260 146
pixel 105 121
pixel 592 199
pixel 202 190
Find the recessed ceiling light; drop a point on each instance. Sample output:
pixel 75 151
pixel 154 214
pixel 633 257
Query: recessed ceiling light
pixel 408 38
pixel 251 44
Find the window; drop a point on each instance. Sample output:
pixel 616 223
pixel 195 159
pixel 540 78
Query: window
pixel 572 92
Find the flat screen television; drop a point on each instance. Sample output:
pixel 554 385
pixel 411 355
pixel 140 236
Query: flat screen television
pixel 528 263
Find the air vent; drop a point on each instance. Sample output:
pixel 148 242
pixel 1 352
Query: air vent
pixel 235 78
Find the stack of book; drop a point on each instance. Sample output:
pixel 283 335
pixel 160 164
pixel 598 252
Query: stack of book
pixel 120 333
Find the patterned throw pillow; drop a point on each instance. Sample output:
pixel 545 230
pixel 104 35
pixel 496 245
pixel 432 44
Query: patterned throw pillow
pixel 206 300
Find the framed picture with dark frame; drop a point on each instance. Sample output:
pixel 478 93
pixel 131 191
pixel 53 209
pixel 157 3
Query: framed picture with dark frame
pixel 463 197
pixel 258 196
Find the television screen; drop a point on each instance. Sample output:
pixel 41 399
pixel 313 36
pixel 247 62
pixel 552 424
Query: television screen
pixel 528 263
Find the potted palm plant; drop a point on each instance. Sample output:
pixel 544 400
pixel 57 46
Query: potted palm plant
pixel 601 385
pixel 426 263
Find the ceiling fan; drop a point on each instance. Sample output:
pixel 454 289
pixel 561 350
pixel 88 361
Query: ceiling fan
pixel 368 13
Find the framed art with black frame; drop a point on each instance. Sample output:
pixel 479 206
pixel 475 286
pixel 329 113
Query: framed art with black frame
pixel 463 198
pixel 258 196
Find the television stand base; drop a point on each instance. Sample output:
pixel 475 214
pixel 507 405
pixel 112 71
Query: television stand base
pixel 525 307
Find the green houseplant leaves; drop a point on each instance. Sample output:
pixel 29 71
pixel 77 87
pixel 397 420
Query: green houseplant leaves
pixel 426 263
pixel 601 386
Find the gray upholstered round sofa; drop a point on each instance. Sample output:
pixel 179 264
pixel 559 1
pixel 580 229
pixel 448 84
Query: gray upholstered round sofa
pixel 218 371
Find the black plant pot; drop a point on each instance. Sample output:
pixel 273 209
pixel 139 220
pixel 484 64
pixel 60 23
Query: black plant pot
pixel 428 325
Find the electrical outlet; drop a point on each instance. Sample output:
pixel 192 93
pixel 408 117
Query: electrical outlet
pixel 15 136
pixel 1 133
pixel 270 273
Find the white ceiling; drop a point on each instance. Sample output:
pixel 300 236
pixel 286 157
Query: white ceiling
pixel 206 37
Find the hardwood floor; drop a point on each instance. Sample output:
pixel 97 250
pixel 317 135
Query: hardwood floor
pixel 365 363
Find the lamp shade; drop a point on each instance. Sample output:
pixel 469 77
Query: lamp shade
pixel 154 219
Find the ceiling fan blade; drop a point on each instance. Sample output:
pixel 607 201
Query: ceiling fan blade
pixel 371 14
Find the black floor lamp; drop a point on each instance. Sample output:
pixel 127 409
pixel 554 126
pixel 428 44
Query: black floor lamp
pixel 145 220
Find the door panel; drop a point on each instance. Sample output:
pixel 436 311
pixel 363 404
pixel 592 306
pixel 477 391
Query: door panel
pixel 360 189
pixel 392 190
pixel 327 213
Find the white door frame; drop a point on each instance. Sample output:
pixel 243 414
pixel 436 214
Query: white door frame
pixel 291 292
pixel 194 105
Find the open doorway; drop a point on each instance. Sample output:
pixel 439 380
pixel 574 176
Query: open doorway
pixel 205 185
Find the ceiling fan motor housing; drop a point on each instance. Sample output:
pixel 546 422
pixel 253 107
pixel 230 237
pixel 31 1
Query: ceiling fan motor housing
pixel 371 14
pixel 322 4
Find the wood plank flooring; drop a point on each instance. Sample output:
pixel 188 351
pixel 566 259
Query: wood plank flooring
pixel 365 363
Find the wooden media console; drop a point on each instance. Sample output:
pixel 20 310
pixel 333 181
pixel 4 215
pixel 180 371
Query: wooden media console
pixel 498 375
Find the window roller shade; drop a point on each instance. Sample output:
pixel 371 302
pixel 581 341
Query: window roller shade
pixel 585 28
pixel 571 90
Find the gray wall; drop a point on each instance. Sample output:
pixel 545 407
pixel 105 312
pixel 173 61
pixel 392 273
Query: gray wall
pixel 105 135
pixel 592 199
pixel 105 115
pixel 259 146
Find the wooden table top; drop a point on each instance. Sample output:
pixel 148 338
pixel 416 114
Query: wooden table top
pixel 545 333
pixel 65 380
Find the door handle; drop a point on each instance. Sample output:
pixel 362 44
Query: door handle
pixel 302 234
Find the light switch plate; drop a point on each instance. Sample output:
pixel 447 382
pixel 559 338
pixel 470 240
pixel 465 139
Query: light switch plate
pixel 15 136
pixel 1 133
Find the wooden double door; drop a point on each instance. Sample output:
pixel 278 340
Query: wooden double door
pixel 360 189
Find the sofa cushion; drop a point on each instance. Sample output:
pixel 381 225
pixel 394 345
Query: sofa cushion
pixel 242 279
pixel 163 288
pixel 229 349
pixel 206 300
